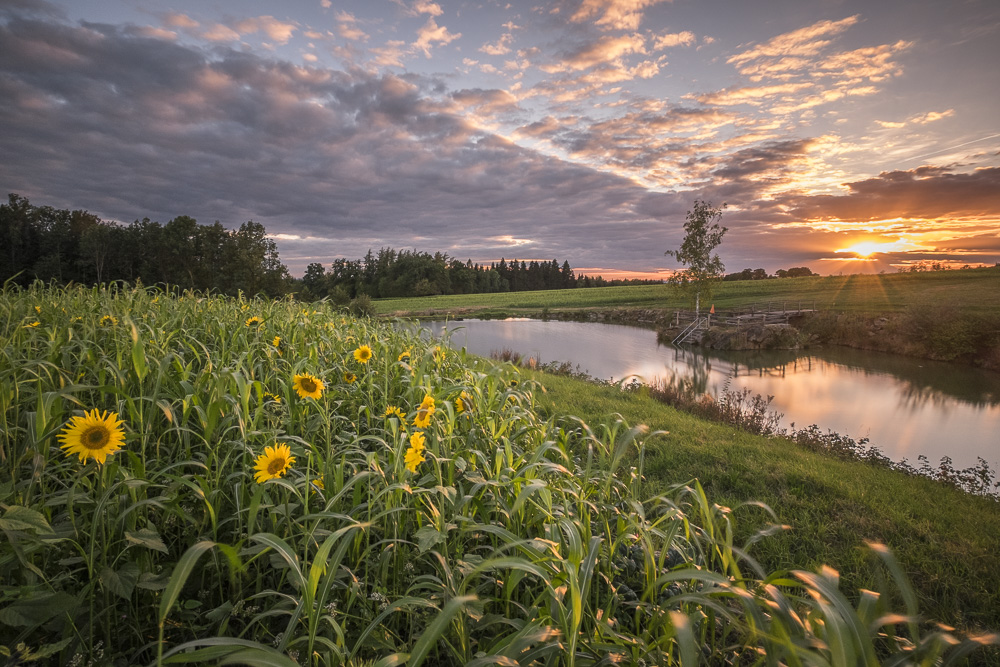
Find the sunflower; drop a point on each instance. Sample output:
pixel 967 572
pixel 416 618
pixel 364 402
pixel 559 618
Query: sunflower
pixel 93 436
pixel 254 322
pixel 32 325
pixel 415 452
pixel 403 356
pixel 273 463
pixel 424 412
pixel 438 354
pixel 349 377
pixel 363 354
pixel 277 345
pixel 38 309
pixel 463 402
pixel 109 321
pixel 393 411
pixel 307 386
pixel 268 396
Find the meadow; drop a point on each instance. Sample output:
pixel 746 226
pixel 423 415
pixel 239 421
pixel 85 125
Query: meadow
pixel 975 291
pixel 200 479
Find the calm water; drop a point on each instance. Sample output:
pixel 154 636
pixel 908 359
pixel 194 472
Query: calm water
pixel 906 407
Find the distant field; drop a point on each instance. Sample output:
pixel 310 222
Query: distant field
pixel 971 290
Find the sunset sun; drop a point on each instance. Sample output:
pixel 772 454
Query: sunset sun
pixel 866 249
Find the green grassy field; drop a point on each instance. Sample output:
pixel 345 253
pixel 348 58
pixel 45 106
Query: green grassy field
pixel 201 479
pixel 971 290
pixel 946 539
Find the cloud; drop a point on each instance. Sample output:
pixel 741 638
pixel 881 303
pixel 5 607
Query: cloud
pixel 806 41
pixel 932 116
pixel 180 21
pixel 754 95
pixel 431 33
pixel 350 156
pixel 347 27
pixel 614 14
pixel 597 52
pixel 501 47
pixel 276 30
pixel 924 193
pixel 670 40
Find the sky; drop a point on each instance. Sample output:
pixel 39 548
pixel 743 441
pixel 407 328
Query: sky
pixel 846 136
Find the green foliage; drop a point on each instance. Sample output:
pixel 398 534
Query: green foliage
pixel 518 539
pixel 42 243
pixel 702 235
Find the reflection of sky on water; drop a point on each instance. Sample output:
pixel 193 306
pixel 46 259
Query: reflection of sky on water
pixel 900 410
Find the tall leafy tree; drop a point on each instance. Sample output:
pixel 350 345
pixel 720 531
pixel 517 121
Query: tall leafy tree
pixel 702 235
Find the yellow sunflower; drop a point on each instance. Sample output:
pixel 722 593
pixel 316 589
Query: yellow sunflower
pixel 393 411
pixel 268 396
pixel 32 325
pixel 363 354
pixel 349 378
pixel 463 402
pixel 403 356
pixel 277 346
pixel 273 463
pixel 307 386
pixel 93 436
pixel 415 452
pixel 109 321
pixel 254 322
pixel 38 309
pixel 424 412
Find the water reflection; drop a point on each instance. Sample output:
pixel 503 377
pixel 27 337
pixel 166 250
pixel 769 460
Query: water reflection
pixel 905 406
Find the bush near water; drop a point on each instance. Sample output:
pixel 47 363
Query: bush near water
pixel 503 538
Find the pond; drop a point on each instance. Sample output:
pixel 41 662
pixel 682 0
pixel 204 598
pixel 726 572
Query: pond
pixel 906 407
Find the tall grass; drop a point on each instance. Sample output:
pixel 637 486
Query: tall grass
pixel 516 540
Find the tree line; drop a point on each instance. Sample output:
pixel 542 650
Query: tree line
pixel 404 273
pixel 45 243
pixel 49 244
pixel 761 274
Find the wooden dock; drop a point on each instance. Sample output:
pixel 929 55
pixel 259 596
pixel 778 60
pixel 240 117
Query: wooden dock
pixel 693 327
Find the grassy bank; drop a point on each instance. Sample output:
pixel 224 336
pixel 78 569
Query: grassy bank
pixel 943 315
pixel 198 479
pixel 969 290
pixel 946 539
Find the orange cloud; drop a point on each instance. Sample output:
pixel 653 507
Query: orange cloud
pixel 614 14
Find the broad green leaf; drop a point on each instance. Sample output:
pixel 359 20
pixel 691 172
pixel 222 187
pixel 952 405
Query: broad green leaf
pixel 147 537
pixel 427 537
pixel 25 518
pixel 122 582
pixel 37 609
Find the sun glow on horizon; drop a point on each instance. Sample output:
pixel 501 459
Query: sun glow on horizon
pixel 866 249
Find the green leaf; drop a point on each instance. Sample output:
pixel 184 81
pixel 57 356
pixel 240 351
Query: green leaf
pixel 153 582
pixel 138 354
pixel 220 612
pixel 37 609
pixel 147 537
pixel 180 575
pixel 25 518
pixel 122 582
pixel 427 537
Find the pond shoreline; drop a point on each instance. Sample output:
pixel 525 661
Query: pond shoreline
pixel 937 338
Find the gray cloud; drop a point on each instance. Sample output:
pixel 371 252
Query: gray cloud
pixel 925 192
pixel 129 126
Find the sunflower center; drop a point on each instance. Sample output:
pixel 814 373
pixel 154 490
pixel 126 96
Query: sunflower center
pixel 276 465
pixel 95 437
pixel 308 384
